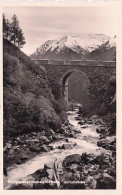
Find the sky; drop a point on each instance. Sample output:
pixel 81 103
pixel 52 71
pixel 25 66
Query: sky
pixel 40 24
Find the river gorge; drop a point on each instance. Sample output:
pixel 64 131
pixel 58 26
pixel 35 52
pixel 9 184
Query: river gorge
pixel 81 158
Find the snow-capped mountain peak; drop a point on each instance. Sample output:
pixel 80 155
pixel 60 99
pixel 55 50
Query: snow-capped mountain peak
pixel 73 44
pixel 65 41
pixel 112 42
pixel 106 51
pixel 109 44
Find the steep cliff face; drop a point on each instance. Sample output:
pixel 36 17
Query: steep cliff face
pixel 106 99
pixel 109 101
pixel 28 101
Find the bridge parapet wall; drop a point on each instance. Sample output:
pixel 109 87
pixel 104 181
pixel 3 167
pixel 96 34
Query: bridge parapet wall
pixel 75 62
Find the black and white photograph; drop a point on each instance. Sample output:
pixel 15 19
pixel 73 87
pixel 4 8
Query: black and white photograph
pixel 59 97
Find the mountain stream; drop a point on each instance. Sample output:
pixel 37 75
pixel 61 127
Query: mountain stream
pixel 85 142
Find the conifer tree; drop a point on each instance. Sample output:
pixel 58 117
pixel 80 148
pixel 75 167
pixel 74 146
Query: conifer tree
pixel 13 32
pixel 6 28
pixel 21 38
pixel 14 29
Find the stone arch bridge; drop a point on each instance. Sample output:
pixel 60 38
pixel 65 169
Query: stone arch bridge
pixel 97 74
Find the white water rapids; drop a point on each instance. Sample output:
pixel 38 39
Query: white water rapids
pixel 86 141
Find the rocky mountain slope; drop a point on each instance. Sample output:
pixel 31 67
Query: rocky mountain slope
pixel 107 51
pixel 28 101
pixel 69 47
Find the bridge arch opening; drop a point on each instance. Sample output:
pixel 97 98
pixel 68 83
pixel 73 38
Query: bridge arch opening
pixel 73 83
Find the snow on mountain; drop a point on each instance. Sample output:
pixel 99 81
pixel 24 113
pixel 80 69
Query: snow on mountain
pixel 107 51
pixel 111 43
pixel 78 46
pixel 44 47
pixel 91 41
pixel 65 41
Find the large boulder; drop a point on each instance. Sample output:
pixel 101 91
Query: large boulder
pixel 44 148
pixel 65 146
pixel 106 182
pixel 72 159
pixel 107 143
pixel 35 149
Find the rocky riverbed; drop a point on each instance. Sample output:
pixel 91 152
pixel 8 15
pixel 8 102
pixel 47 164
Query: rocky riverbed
pixel 81 155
